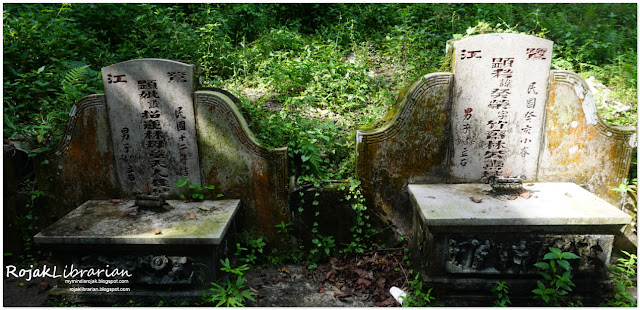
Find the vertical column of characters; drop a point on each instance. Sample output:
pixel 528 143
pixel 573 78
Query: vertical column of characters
pixel 125 153
pixel 532 54
pixel 496 131
pixel 154 139
pixel 465 135
pixel 181 126
pixel 466 139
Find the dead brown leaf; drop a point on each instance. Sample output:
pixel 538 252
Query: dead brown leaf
pixel 386 303
pixel 44 286
pixel 321 290
pixel 285 270
pixel 116 200
pixel 157 231
pixel 512 197
pixel 133 213
pixel 276 280
pixel 192 215
pixel 80 227
pixel 204 208
pixel 525 194
pixel 476 200
pixel 363 281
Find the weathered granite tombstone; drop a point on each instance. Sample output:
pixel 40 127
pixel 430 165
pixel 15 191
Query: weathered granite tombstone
pixel 117 168
pixel 501 117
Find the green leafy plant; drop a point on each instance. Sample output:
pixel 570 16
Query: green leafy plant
pixel 501 290
pixel 290 253
pixel 27 223
pixel 362 230
pixel 631 189
pixel 232 293
pixel 250 248
pixel 624 271
pixel 557 276
pixel 416 297
pixel 197 193
pixel 323 246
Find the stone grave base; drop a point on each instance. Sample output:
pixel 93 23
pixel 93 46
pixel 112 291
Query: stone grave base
pixel 110 253
pixel 476 291
pixel 467 238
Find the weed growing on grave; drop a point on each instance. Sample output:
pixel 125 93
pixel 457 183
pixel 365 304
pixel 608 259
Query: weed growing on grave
pixel 557 276
pixel 291 252
pixel 27 225
pixel 501 290
pixel 416 297
pixel 632 191
pixel 196 192
pixel 250 248
pixel 232 293
pixel 624 271
pixel 362 230
pixel 322 247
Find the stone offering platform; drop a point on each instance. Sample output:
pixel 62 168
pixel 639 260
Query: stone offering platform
pixel 467 237
pixel 173 254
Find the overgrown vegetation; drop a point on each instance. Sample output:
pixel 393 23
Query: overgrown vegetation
pixel 234 292
pixel 501 290
pixel 557 274
pixel 308 75
pixel 624 273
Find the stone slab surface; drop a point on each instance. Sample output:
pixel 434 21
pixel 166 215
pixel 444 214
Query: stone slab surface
pixel 550 204
pixel 103 222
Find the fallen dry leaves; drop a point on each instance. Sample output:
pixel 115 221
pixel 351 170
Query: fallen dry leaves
pixel 371 274
pixel 525 194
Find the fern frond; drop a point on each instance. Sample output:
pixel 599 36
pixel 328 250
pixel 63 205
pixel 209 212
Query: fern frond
pixel 76 76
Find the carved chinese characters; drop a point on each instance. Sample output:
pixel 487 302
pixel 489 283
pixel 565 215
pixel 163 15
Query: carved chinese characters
pixel 500 85
pixel 153 125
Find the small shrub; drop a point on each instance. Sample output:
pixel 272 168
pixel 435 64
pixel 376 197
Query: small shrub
pixel 416 296
pixel 624 271
pixel 557 275
pixel 501 290
pixel 234 292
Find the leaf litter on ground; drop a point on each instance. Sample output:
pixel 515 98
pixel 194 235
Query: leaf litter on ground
pixel 369 274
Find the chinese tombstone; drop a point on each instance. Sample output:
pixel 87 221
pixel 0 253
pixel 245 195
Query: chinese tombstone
pixel 151 110
pixel 510 85
pixel 501 117
pixel 126 150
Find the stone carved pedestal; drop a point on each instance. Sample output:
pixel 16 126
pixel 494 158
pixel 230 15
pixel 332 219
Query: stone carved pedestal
pixel 170 254
pixel 467 238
